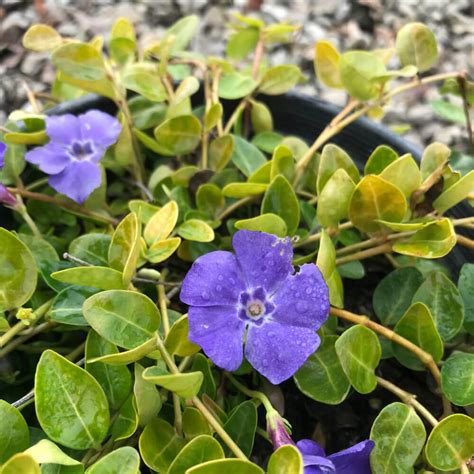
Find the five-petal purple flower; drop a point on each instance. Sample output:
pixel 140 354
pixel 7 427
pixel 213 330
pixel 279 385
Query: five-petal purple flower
pixel 255 294
pixel 76 146
pixel 354 460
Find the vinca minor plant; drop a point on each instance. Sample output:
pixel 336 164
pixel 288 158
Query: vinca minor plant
pixel 186 289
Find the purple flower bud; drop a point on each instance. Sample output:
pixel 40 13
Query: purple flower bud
pixel 277 430
pixel 257 295
pixel 6 197
pixel 72 156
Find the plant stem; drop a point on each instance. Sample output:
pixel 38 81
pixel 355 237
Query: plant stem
pixel 68 206
pixel 408 399
pixel 235 115
pixel 384 248
pixel 21 209
pixel 465 242
pixel 317 237
pixel 462 81
pixel 163 304
pixel 213 422
pixel 250 393
pixel 257 59
pixel 234 206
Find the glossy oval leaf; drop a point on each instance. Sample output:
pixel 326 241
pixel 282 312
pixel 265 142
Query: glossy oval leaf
pixel 455 193
pixel 399 436
pixel 41 38
pixel 104 278
pixel 144 82
pixel 14 435
pixel 247 157
pixel 279 79
pixel 270 223
pixel 162 249
pixel 125 318
pixel 126 422
pixel 92 248
pixel 404 173
pixel 322 377
pixel 147 399
pixel 229 466
pixel 18 272
pixel 241 190
pixel 379 159
pixel 286 459
pixel 125 460
pixel 178 136
pixel 444 302
pixel 236 85
pixel 194 423
pixel 127 357
pixel 185 385
pixel 466 289
pixel 374 199
pixel 196 230
pixel 434 157
pixel 451 443
pixel 359 352
pixel 241 427
pixel 417 326
pixel 457 378
pixel 162 223
pixel 71 406
pixel 177 341
pixel 67 306
pixel 326 64
pixel 20 462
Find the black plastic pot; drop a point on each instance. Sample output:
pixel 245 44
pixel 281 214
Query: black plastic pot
pixel 305 117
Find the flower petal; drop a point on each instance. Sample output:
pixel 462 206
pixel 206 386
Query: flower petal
pixel 6 197
pixel 277 350
pixel 354 460
pixel 50 158
pixel 303 299
pixel 101 128
pixel 77 181
pixel 63 129
pixel 214 279
pixel 3 148
pixel 219 331
pixel 310 448
pixel 264 258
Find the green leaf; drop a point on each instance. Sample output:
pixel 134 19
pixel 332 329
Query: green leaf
pixel 358 71
pixel 394 294
pixel 116 381
pixel 220 152
pixel 241 43
pixel 261 118
pixel 13 162
pixel 457 378
pixel 147 399
pixel 182 32
pixel 125 318
pixel 196 230
pixel 270 223
pixel 185 385
pixel 246 156
pixel 93 248
pixel 18 272
pixel 80 61
pixel 334 158
pixel 286 459
pixel 279 79
pixel 466 289
pixel 326 64
pixel 177 341
pixel 333 200
pixel 201 449
pixel 229 466
pixel 178 135
pixel 236 86
pixel 326 262
pixel 241 190
pixel 123 42
pixel 417 326
pixel 212 116
pixel 14 435
pixel 162 223
pixel 353 270
pixel 159 445
pixel 379 159
pixel 399 436
pixel 451 443
pixel 127 357
pixel 416 45
pixel 46 452
pixel 359 351
pixel 124 249
pixel 403 173
pixel 162 249
pixel 202 364
pixel 67 306
pixel 41 38
pixel 194 423
pixel 103 278
pixel 209 198
pixel 282 163
pixel 434 157
pixel 71 406
pixel 455 193
pixel 20 462
pixel 433 241
pixel 321 377
pixel 143 81
pixel 448 111
pixel 267 141
pixel 127 420
pixel 444 302
pixel 241 426
pixel 374 199
pixel 20 138
pixel 280 199
pixel 125 460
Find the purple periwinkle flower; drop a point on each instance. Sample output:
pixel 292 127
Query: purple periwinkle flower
pixel 6 197
pixel 3 148
pixel 354 460
pixel 256 295
pixel 76 146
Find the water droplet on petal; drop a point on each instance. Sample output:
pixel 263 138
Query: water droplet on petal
pixel 301 306
pixel 219 288
pixel 308 290
pixel 205 295
pixel 220 277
